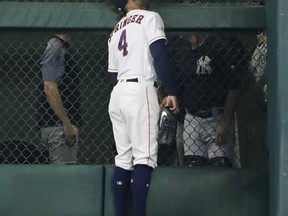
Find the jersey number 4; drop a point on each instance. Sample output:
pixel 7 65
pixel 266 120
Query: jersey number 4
pixel 122 44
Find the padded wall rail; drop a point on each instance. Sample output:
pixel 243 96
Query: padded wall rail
pixel 182 191
pixel 102 16
pixel 47 190
pixel 80 190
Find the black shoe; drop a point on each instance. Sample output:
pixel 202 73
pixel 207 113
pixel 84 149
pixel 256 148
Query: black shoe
pixel 194 160
pixel 220 162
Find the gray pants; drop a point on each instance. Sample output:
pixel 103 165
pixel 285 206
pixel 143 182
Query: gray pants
pixel 200 137
pixel 54 139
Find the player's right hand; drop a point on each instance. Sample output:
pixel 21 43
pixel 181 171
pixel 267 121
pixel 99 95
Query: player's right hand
pixel 70 132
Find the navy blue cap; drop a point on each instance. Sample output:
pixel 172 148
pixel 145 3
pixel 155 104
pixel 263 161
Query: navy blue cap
pixel 119 4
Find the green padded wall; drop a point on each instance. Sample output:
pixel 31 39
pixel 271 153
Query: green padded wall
pixel 108 197
pixel 102 16
pixel 47 190
pixel 277 19
pixel 182 191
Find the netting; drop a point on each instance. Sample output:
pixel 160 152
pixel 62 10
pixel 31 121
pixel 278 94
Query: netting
pixel 20 136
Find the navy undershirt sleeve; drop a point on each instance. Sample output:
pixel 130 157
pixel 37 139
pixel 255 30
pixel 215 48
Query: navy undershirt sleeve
pixel 113 77
pixel 163 68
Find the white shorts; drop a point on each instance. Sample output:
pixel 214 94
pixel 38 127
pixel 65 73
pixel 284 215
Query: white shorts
pixel 54 139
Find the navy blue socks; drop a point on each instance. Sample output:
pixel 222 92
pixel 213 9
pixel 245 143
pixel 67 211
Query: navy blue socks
pixel 140 184
pixel 121 190
pixel 139 181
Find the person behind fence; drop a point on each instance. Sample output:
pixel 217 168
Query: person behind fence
pixel 59 102
pixel 137 56
pixel 258 120
pixel 209 82
pixel 258 67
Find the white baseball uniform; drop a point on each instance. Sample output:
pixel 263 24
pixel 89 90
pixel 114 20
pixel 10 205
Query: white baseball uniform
pixel 134 107
pixel 259 60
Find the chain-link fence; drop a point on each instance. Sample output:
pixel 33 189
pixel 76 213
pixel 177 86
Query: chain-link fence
pixel 20 79
pixel 20 136
pixel 216 71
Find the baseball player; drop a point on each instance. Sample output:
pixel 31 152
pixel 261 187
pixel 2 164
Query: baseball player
pixel 258 66
pixel 209 73
pixel 137 56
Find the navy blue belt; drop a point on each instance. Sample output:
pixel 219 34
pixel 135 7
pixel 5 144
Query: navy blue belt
pixel 207 113
pixel 136 80
pixel 132 80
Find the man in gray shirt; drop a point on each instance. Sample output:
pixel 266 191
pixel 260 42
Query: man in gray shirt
pixel 59 108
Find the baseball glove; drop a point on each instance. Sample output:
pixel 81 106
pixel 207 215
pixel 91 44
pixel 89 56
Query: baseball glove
pixel 167 127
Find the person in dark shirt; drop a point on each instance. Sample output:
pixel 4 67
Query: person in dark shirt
pixel 59 104
pixel 209 79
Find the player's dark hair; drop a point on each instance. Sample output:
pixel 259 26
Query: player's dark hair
pixel 119 4
pixel 259 31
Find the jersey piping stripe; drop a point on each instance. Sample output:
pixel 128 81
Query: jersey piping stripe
pixel 112 70
pixel 157 38
pixel 148 116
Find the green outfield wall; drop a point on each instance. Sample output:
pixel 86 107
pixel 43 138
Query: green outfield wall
pixel 79 190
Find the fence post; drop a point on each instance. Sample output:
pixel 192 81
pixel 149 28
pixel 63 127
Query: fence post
pixel 277 18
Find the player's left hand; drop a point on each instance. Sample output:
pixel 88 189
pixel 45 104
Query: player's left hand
pixel 221 133
pixel 172 103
